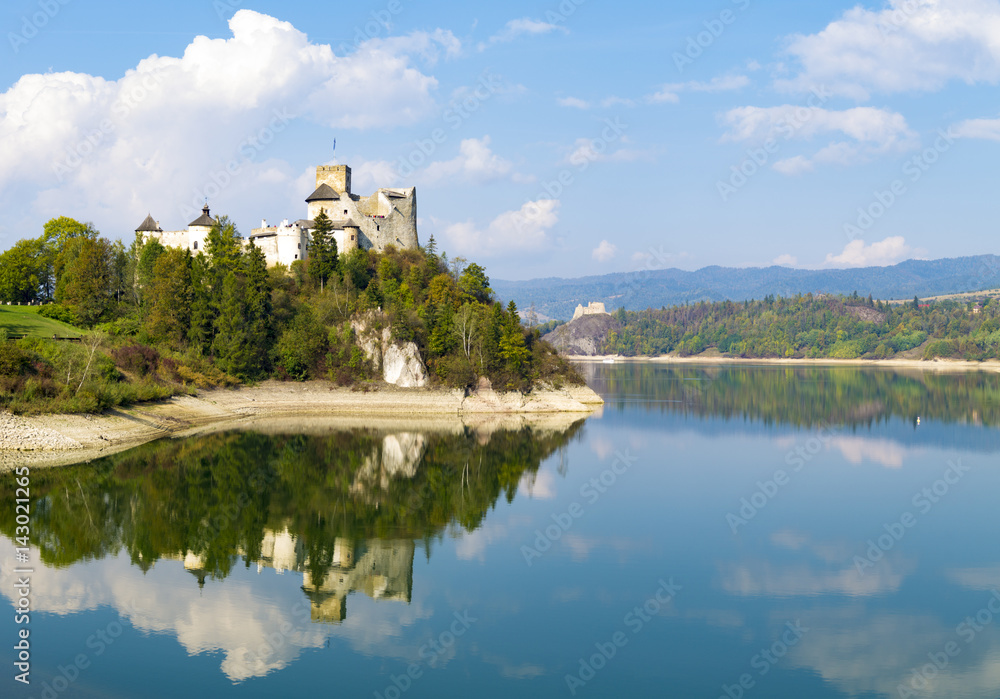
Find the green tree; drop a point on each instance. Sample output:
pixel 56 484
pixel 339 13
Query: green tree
pixel 170 297
pixel 224 247
pixel 22 269
pixel 231 346
pixel 260 320
pixel 148 253
pixel 56 236
pixel 357 267
pixel 475 285
pixel 84 278
pixel 513 350
pixel 201 331
pixel 322 263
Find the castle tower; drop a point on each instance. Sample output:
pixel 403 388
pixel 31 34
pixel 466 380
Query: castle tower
pixel 351 237
pixel 323 199
pixel 149 226
pixel 337 177
pixel 199 229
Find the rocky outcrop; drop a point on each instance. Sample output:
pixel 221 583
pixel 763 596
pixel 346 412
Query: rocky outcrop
pixel 403 367
pixel 583 337
pixel 399 362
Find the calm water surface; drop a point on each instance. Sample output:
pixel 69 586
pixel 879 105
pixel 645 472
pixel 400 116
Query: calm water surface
pixel 714 532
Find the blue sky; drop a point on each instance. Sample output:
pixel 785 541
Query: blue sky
pixel 544 138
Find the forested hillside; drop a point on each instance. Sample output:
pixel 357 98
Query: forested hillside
pixel 658 288
pixel 162 320
pixel 811 327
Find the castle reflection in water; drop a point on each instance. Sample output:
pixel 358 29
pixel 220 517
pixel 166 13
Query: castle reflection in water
pixel 380 568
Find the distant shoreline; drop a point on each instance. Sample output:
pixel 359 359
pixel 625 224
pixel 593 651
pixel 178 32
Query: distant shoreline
pixel 61 439
pixel 942 365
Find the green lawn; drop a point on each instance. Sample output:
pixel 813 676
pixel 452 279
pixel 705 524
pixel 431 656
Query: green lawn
pixel 24 320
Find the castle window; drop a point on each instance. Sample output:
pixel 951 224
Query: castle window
pixel 296 257
pixel 378 228
pixel 196 245
pixel 352 237
pixel 300 246
pixel 345 212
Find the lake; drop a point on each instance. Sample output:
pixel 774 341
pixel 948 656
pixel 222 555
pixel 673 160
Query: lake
pixel 716 531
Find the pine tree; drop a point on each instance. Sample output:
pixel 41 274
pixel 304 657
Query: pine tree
pixel 202 328
pixel 169 297
pixel 231 346
pixel 259 323
pixel 322 250
pixel 512 347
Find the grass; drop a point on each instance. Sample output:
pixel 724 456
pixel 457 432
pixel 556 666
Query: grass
pixel 24 320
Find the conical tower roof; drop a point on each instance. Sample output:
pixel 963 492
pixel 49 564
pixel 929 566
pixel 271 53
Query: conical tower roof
pixel 149 226
pixel 204 220
pixel 323 193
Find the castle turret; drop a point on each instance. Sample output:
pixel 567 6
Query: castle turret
pixel 325 198
pixel 351 238
pixel 199 229
pixel 337 176
pixel 149 226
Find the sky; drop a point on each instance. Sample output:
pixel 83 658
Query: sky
pixel 545 139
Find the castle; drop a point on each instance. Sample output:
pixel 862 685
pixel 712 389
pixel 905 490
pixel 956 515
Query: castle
pixel 594 308
pixel 387 217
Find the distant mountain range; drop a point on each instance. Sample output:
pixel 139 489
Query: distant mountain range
pixel 558 298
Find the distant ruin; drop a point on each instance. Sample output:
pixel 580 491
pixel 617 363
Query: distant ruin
pixel 594 308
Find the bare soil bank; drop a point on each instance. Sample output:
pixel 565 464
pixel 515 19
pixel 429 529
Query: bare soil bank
pixel 54 440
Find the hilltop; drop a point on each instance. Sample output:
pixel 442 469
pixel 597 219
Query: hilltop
pixel 798 327
pixel 158 321
pixel 636 291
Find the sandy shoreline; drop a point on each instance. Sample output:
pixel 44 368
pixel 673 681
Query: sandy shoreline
pixel 953 365
pixel 53 440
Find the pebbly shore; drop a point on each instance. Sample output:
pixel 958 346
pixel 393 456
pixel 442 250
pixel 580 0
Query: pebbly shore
pixel 52 440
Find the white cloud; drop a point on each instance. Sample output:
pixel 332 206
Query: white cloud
pixel 538 485
pixel 857 450
pixel 664 95
pixel 471 546
pixel 229 622
pixel 879 127
pixel 671 91
pixel 987 129
pixel 886 252
pixel 427 45
pixel 604 252
pixel 365 176
pixel 573 102
pixel 588 150
pixel 911 45
pixel 758 578
pixel 162 135
pixel 512 232
pixel 524 26
pixel 475 162
pixel 795 165
pixel 785 260
pixel 874 132
pixel 987 578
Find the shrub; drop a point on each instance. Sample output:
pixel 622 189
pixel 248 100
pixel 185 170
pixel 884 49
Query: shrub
pixel 137 359
pixel 14 361
pixel 940 348
pixel 58 312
